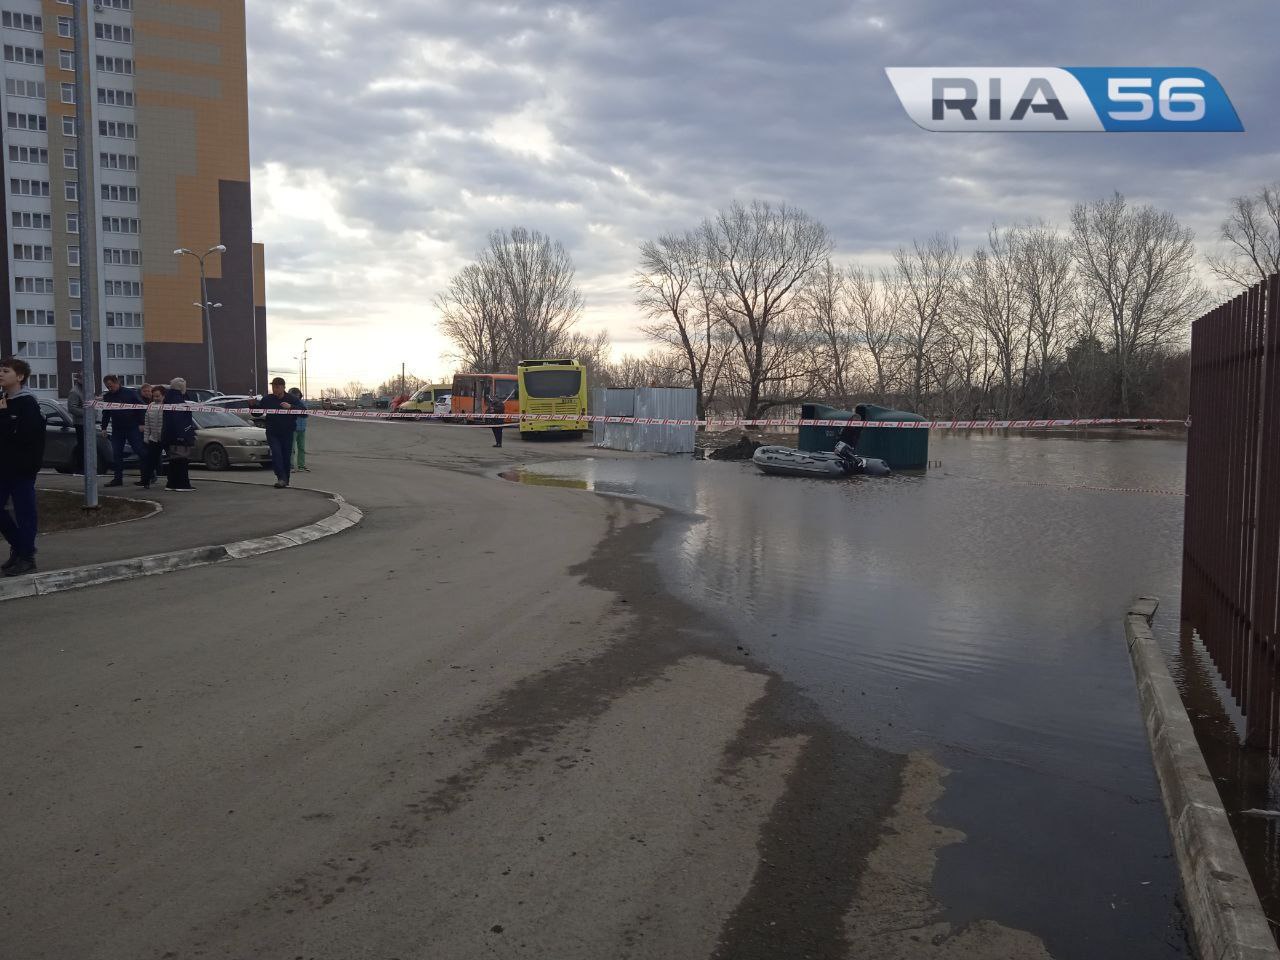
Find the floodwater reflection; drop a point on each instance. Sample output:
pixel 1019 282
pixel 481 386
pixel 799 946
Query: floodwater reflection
pixel 975 610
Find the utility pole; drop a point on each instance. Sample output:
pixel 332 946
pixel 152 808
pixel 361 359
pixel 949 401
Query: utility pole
pixel 88 313
pixel 402 379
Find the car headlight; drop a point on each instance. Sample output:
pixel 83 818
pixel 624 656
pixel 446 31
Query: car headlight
pixel 251 443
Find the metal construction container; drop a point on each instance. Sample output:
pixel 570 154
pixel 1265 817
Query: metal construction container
pixel 903 448
pixel 664 403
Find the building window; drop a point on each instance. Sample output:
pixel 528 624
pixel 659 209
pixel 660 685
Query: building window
pixel 22 21
pixel 73 256
pixel 66 60
pixel 64 27
pixel 33 318
pixel 132 380
pixel 77 352
pixel 120 225
pixel 70 190
pixel 112 97
pixel 124 351
pixel 25 121
pixel 28 188
pixel 68 93
pixel 73 288
pixel 24 88
pixel 120 65
pixel 27 220
pixel 74 319
pixel 44 381
pixel 37 349
pixel 126 318
pixel 33 285
pixel 68 159
pixel 31 55
pixel 33 252
pixel 68 126
pixel 119 192
pixel 73 224
pixel 118 129
pixel 117 161
pixel 112 31
pixel 114 256
pixel 117 4
pixel 123 288
pixel 23 154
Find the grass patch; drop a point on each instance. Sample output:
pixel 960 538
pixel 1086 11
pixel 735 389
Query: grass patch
pixel 63 510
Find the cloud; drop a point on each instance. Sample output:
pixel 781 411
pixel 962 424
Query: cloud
pixel 388 141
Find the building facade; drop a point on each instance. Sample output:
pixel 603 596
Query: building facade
pixel 166 159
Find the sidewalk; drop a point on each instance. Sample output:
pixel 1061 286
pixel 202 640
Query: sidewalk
pixel 218 512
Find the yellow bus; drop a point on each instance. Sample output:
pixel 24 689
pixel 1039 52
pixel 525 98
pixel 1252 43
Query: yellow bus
pixel 557 388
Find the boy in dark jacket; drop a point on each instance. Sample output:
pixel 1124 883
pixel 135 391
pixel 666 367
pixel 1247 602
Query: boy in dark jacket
pixel 126 425
pixel 21 454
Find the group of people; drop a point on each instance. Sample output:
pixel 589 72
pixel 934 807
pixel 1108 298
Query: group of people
pixel 150 430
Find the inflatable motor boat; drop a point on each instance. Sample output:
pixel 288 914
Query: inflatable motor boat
pixel 789 462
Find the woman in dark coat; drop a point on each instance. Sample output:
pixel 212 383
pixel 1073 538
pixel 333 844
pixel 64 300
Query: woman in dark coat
pixel 178 437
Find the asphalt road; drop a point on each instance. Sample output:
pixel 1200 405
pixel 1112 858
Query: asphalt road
pixel 473 726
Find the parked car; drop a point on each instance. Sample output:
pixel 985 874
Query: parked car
pixel 239 405
pixel 443 404
pixel 223 441
pixel 366 401
pixel 60 441
pixel 329 403
pixel 201 395
pixel 382 403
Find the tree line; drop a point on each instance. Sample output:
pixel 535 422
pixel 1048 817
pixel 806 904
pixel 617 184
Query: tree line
pixel 752 310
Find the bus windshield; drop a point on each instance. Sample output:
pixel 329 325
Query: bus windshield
pixel 552 383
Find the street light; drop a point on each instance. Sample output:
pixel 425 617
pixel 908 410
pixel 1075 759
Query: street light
pixel 304 365
pixel 205 305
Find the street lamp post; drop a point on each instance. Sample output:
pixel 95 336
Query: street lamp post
pixel 205 305
pixel 304 366
pixel 87 250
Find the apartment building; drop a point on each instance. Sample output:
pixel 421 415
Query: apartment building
pixel 166 167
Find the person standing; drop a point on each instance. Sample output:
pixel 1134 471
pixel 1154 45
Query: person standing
pixel 178 437
pixel 152 437
pixel 496 406
pixel 280 430
pixel 21 455
pixel 126 425
pixel 75 407
pixel 300 430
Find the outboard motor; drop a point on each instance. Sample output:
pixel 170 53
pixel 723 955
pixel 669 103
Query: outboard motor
pixel 868 466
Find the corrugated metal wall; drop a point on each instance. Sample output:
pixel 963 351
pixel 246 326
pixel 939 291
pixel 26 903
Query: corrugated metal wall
pixel 658 403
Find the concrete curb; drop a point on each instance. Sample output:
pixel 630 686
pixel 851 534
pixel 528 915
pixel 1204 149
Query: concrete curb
pixel 1227 922
pixel 55 581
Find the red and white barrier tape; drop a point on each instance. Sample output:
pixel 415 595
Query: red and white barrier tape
pixel 669 422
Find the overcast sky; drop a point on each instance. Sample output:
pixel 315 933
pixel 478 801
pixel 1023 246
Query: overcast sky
pixel 388 139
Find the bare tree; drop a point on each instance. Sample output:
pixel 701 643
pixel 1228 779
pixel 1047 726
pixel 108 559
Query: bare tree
pixel 874 305
pixel 826 307
pixel 353 389
pixel 762 256
pixel 1139 263
pixel 676 288
pixel 1045 271
pixel 658 368
pixel 990 299
pixel 516 302
pixel 926 275
pixel 1251 233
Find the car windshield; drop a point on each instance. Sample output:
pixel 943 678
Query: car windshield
pixel 209 421
pixel 553 383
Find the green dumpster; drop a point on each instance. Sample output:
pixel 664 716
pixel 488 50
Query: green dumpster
pixel 903 448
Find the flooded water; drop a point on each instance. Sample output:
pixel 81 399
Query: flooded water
pixel 976 611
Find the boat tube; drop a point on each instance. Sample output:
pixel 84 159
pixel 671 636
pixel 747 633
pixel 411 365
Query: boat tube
pixel 789 462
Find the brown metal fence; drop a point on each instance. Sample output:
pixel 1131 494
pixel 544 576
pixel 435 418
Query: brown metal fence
pixel 1231 552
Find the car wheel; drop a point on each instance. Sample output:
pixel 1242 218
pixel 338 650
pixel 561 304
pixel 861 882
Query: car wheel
pixel 215 457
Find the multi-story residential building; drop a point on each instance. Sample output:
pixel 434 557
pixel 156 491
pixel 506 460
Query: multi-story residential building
pixel 166 166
